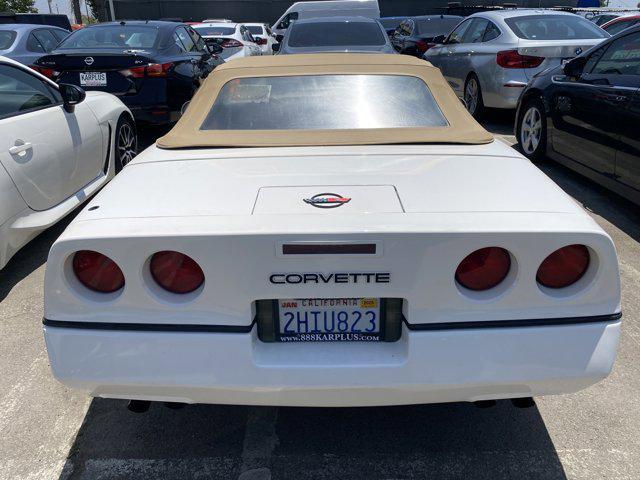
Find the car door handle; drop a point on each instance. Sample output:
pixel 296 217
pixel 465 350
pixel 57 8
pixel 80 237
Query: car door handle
pixel 23 147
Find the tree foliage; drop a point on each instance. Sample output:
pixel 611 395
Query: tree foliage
pixel 18 6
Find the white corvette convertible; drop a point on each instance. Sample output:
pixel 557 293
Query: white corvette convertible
pixel 331 230
pixel 57 148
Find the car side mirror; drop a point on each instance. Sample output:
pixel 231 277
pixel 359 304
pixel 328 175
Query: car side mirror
pixel 275 47
pixel 574 67
pixel 438 40
pixel 71 96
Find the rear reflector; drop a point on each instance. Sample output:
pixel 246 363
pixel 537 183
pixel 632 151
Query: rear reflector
pixel 176 272
pixel 231 43
pixel 512 59
pixel 97 272
pixel 484 268
pixel 150 70
pixel 47 72
pixel 564 267
pixel 329 249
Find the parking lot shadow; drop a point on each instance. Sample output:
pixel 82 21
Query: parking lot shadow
pixel 597 199
pixel 30 257
pixel 443 441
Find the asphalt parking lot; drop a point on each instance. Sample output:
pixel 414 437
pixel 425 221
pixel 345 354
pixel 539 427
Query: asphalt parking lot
pixel 50 432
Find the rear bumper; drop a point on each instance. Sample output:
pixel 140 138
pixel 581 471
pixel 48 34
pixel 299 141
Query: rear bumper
pixel 429 366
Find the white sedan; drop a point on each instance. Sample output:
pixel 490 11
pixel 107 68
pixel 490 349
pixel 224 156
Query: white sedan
pixel 331 230
pixel 58 146
pixel 263 36
pixel 233 39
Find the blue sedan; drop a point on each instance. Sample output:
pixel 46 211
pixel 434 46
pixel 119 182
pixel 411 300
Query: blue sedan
pixel 26 43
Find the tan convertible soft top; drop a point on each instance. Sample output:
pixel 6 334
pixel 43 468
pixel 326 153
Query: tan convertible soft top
pixel 461 128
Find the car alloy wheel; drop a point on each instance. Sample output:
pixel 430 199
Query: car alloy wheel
pixel 531 130
pixel 126 143
pixel 471 95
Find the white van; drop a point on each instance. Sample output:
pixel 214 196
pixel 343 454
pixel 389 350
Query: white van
pixel 325 8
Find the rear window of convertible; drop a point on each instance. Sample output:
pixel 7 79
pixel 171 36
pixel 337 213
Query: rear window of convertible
pixel 324 102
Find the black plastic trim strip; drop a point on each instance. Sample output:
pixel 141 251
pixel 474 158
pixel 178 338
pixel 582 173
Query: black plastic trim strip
pixel 149 327
pixel 538 322
pixel 105 167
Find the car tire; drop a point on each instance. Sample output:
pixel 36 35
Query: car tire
pixel 532 130
pixel 473 97
pixel 126 142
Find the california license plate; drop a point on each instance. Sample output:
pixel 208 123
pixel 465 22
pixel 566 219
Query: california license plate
pixel 329 320
pixel 93 79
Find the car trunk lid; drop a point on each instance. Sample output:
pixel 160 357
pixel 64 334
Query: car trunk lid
pixel 116 64
pixel 394 180
pixel 554 52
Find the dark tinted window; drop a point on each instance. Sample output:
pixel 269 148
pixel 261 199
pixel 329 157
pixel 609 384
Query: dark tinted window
pixel 60 34
pixel 20 92
pixel 491 32
pixel 287 20
pixel 197 39
pixel 389 23
pixel 432 27
pixel 6 39
pixel 255 29
pixel 621 58
pixel 214 31
pixel 112 36
pixel 476 31
pixel 185 38
pixel 46 39
pixel 33 45
pixel 333 34
pixel 621 25
pixel 554 27
pixel 318 102
pixel 458 33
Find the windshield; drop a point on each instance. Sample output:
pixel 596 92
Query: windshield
pixel 554 27
pixel 432 27
pixel 321 102
pixel 112 36
pixel 6 39
pixel 214 31
pixel 255 29
pixel 335 34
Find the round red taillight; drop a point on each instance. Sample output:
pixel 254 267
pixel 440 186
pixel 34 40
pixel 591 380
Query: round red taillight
pixel 564 267
pixel 484 268
pixel 176 272
pixel 97 272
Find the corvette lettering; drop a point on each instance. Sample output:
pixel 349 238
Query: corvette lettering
pixel 326 278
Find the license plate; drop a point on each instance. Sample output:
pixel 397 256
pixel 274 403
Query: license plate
pixel 93 79
pixel 329 320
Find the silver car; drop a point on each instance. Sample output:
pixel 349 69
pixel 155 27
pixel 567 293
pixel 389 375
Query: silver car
pixel 335 34
pixel 490 56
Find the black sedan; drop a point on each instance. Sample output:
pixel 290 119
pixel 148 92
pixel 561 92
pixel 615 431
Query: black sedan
pixel 415 35
pixel 586 114
pixel 154 67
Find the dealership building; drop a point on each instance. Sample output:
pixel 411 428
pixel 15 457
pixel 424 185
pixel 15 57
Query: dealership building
pixel 270 10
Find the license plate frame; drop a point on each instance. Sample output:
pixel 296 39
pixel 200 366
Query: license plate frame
pixel 346 305
pixel 99 79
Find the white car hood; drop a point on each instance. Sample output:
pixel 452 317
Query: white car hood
pixel 378 179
